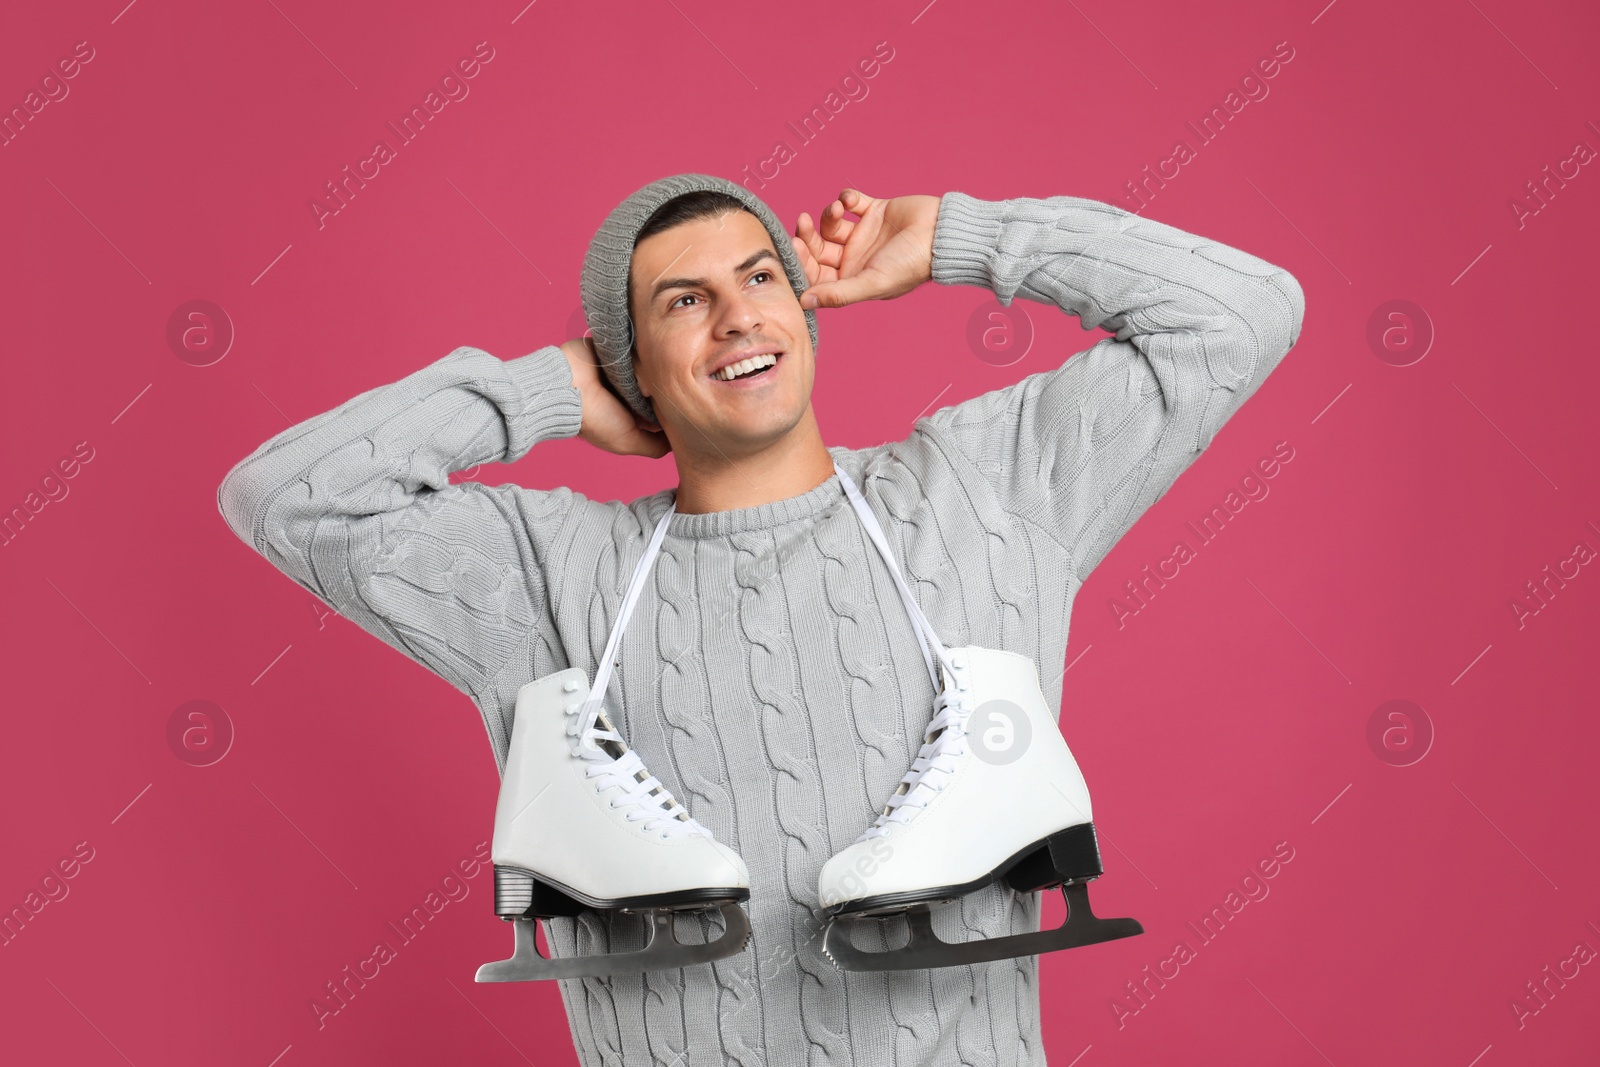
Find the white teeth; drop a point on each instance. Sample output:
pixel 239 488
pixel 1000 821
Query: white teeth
pixel 733 370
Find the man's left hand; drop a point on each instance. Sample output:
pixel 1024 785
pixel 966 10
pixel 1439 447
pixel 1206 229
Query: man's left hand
pixel 886 253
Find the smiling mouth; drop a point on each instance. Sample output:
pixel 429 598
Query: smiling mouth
pixel 751 374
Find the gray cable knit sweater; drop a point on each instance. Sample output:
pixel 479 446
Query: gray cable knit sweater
pixel 770 676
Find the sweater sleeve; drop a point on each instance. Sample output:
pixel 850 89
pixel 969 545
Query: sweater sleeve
pixel 1084 449
pixel 356 506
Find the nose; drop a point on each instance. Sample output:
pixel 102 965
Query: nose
pixel 740 314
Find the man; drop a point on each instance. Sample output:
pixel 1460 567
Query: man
pixel 770 676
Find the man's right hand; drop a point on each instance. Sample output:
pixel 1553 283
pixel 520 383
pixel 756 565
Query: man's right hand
pixel 608 423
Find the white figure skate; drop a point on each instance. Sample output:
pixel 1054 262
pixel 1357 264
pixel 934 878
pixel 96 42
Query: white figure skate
pixel 581 824
pixel 994 795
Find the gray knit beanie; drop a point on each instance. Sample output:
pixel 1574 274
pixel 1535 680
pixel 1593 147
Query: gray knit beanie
pixel 604 283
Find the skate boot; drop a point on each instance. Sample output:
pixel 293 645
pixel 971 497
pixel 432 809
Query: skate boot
pixel 580 824
pixel 994 795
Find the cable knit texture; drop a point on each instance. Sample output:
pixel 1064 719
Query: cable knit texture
pixel 770 676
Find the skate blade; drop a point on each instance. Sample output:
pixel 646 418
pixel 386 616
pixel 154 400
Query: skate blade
pixel 925 951
pixel 663 952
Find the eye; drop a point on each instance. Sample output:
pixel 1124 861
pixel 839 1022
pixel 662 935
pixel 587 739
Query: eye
pixel 761 273
pixel 685 296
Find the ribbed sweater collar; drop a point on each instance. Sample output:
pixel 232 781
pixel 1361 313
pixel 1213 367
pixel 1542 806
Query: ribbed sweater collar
pixel 762 516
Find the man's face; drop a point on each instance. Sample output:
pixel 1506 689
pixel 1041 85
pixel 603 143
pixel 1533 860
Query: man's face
pixel 705 293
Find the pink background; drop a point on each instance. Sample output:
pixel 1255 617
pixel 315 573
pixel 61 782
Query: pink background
pixel 1231 713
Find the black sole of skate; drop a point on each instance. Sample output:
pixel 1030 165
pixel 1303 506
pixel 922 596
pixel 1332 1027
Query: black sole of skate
pixel 1069 858
pixel 521 897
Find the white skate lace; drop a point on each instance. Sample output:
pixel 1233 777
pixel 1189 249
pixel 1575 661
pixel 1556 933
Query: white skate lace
pixel 936 764
pixel 945 739
pixel 594 740
pixel 613 763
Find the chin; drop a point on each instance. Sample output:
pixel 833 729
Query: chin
pixel 763 428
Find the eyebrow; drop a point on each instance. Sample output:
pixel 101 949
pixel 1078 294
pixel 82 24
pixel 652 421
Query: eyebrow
pixel 694 283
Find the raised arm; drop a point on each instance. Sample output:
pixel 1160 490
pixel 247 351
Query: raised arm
pixel 355 505
pixel 1084 449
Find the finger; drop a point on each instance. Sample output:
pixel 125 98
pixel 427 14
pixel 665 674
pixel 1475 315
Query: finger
pixel 808 263
pixel 829 254
pixel 857 202
pixel 807 233
pixel 814 243
pixel 642 442
pixel 838 293
pixel 835 227
pixel 865 236
pixel 657 445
